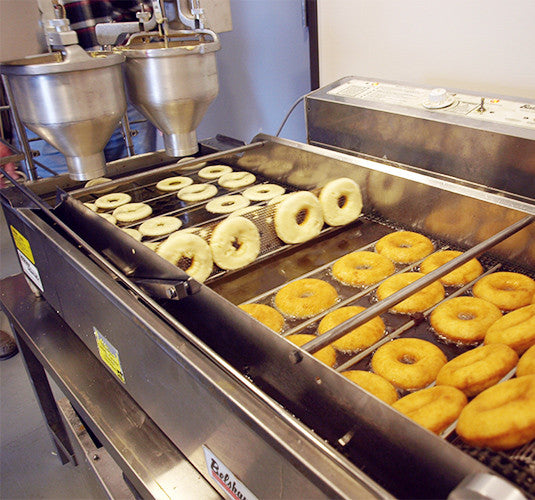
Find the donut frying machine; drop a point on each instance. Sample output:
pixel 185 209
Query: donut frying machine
pixel 252 414
pixel 218 383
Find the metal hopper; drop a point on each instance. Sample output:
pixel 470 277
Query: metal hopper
pixel 172 82
pixel 65 98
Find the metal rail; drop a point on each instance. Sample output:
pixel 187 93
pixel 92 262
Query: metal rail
pixel 385 304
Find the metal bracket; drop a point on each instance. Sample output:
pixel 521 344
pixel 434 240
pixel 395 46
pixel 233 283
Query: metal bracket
pixel 165 289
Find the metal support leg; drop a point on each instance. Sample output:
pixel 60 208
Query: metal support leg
pixel 46 400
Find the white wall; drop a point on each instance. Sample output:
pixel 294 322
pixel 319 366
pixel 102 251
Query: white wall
pixel 263 68
pixel 479 45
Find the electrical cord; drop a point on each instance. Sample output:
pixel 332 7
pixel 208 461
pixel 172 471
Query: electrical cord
pixel 294 105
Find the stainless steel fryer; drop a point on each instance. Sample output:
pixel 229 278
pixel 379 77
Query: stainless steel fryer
pixel 213 378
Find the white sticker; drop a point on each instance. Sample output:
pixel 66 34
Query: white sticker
pixel 30 270
pixel 230 484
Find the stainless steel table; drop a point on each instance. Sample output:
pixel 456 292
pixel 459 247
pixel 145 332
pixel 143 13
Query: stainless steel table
pixel 148 459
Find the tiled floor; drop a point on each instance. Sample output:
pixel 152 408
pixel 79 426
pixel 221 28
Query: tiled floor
pixel 29 467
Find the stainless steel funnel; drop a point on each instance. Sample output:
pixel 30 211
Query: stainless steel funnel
pixel 73 100
pixel 172 83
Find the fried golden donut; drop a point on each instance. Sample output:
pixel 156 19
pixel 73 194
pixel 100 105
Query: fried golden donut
pixel 374 384
pixel 506 290
pixel 478 369
pixel 197 192
pixel 408 363
pixel 526 365
pixel 434 408
pixel 134 233
pixel 263 192
pixel 362 268
pixel 132 212
pixel 404 247
pixel 235 180
pixel 174 183
pixel 112 200
pixel 265 314
pixel 235 243
pixel 417 302
pixel 214 171
pixel 305 297
pixel 358 338
pixel 189 252
pixel 298 218
pixel 227 204
pixel 326 355
pixel 458 277
pixel 464 319
pixel 160 226
pixel 516 329
pixel 340 201
pixel 501 417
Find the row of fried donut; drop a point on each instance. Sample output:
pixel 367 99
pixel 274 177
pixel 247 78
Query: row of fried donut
pixel 482 367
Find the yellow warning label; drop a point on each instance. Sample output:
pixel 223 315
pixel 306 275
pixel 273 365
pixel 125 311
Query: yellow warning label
pixel 109 354
pixel 22 244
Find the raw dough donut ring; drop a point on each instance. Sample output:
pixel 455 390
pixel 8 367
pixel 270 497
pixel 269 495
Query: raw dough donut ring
pixel 97 182
pixel 134 233
pixel 173 183
pixel 433 408
pixel 276 168
pixel 289 212
pixel 357 339
pixel 132 212
pixel 516 329
pixel 189 252
pixel 478 369
pixel 251 209
pixel 341 201
pixel 458 277
pixel 404 247
pixel 464 319
pixel 251 160
pixel 109 217
pixel 91 206
pixel 227 204
pixel 112 201
pixel 263 192
pixel 197 192
pixel 374 384
pixel 526 365
pixel 278 199
pixel 362 268
pixel 180 163
pixel 214 171
pixel 235 180
pixel 153 245
pixel 408 363
pixel 305 297
pixel 160 226
pixel 265 314
pixel 326 355
pixel 506 290
pixel 502 416
pixel 417 302
pixel 235 243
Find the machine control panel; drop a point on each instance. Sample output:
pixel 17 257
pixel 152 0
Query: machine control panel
pixel 485 108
